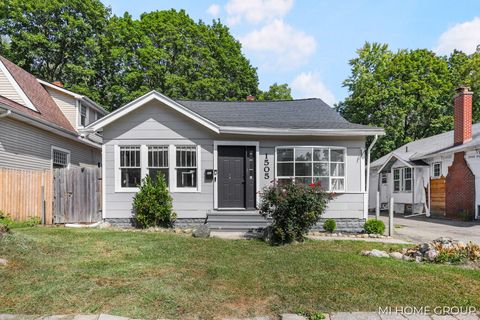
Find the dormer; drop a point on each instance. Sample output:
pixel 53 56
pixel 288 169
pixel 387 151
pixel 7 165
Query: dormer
pixel 79 110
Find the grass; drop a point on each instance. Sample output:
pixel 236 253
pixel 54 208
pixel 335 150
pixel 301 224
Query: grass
pixel 155 275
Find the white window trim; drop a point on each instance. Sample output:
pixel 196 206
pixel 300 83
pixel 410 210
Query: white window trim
pixel 345 179
pixel 402 180
pixel 173 169
pixel 381 178
pixel 433 169
pixel 80 115
pixel 144 167
pixel 62 150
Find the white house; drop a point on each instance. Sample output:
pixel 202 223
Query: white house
pixel 438 175
pixel 218 156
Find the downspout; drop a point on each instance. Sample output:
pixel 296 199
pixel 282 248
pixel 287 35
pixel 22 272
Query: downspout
pixel 367 185
pixel 5 114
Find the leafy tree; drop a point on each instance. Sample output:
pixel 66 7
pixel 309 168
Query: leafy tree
pixel 55 39
pixel 276 92
pixel 409 93
pixel 116 59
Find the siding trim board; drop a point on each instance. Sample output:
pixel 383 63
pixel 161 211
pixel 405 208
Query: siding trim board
pixel 16 86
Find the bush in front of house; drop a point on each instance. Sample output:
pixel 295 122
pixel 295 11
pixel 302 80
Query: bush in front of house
pixel 374 226
pixel 329 225
pixel 153 204
pixel 293 208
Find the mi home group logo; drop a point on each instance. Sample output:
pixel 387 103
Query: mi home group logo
pixel 426 310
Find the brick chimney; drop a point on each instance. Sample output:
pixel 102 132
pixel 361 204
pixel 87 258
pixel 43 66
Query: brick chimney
pixel 250 98
pixel 58 84
pixel 462 115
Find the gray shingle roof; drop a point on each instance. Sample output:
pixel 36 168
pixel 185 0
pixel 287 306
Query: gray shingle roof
pixel 285 114
pixel 430 146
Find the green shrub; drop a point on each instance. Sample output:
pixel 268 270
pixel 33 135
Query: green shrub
pixel 329 225
pixel 7 221
pixel 453 257
pixel 153 204
pixel 374 226
pixel 293 209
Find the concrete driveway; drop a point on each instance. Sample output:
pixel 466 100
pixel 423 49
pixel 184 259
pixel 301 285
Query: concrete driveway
pixel 421 229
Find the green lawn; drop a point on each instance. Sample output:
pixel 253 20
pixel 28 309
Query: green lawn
pixel 152 275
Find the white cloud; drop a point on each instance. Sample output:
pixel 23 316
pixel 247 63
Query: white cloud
pixel 256 11
pixel 309 85
pixel 287 46
pixel 214 10
pixel 463 36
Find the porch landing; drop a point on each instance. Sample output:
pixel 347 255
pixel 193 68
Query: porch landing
pixel 236 221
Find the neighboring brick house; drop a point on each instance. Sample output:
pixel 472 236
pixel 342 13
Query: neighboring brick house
pixel 438 175
pixel 41 123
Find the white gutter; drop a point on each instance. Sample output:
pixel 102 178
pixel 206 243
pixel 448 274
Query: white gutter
pixel 5 114
pixel 367 186
pixel 42 124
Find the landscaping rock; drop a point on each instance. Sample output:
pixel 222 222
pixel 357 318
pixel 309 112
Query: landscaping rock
pixel 396 255
pixel 431 255
pixel 292 316
pixel 202 231
pixel 104 225
pixel 3 262
pixel 375 253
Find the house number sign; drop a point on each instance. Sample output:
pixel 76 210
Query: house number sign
pixel 266 167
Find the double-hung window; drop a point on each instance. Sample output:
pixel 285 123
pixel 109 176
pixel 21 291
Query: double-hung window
pixel 402 180
pixel 436 169
pixel 186 166
pixel 130 166
pixel 83 115
pixel 158 162
pixel 312 165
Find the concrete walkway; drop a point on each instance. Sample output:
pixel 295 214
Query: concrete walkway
pixel 332 316
pixel 422 229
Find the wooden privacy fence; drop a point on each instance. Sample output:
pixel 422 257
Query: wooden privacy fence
pixel 26 193
pixel 437 194
pixel 77 195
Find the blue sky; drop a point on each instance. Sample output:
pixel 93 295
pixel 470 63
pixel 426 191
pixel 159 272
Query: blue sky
pixel 308 43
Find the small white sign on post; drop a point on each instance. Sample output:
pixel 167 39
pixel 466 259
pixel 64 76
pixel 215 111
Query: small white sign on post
pixel 390 218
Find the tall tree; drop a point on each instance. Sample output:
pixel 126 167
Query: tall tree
pixel 54 39
pixel 276 92
pixel 409 93
pixel 116 59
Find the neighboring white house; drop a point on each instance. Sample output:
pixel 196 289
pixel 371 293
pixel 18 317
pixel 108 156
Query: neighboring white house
pixel 438 175
pixel 41 123
pixel 218 156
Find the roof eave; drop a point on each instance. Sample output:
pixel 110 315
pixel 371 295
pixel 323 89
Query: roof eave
pixel 111 117
pixel 48 126
pixel 301 132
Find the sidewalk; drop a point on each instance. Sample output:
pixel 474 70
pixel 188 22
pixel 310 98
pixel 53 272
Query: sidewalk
pixel 332 316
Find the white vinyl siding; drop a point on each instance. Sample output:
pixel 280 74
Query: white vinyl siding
pixel 23 146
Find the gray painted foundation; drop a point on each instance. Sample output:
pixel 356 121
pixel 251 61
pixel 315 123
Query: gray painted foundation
pixel 179 223
pixel 343 225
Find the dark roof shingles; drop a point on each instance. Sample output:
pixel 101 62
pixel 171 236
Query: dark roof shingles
pixel 286 114
pixel 43 102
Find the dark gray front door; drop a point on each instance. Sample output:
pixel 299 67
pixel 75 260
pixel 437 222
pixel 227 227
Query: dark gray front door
pixel 236 177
